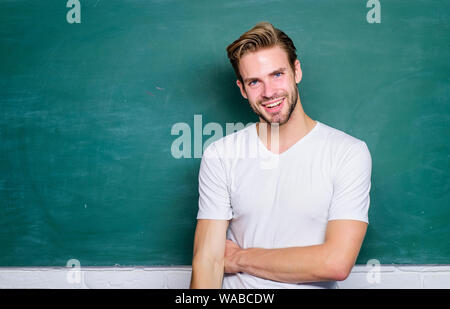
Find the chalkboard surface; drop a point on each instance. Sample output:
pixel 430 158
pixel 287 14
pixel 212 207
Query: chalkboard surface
pixel 89 112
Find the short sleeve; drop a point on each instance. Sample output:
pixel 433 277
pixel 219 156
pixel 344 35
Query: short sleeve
pixel 351 186
pixel 214 199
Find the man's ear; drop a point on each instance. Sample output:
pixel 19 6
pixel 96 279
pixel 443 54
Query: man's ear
pixel 241 87
pixel 298 71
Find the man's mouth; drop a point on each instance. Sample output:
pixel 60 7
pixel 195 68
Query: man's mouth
pixel 274 106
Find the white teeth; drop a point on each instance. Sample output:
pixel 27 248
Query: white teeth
pixel 275 104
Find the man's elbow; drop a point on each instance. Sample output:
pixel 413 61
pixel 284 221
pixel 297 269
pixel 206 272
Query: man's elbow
pixel 207 273
pixel 339 271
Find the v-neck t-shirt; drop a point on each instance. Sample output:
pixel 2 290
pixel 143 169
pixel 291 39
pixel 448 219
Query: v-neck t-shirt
pixel 283 200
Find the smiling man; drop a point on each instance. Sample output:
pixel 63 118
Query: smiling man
pixel 298 224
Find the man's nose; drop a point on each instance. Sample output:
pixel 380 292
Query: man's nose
pixel 268 91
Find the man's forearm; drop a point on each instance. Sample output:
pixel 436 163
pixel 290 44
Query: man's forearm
pixel 290 265
pixel 207 275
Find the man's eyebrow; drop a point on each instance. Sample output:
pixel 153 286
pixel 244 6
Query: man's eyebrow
pixel 280 70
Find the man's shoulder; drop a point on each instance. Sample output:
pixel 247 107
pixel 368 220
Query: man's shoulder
pixel 231 143
pixel 338 140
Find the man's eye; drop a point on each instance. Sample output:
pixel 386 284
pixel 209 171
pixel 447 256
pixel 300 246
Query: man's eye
pixel 278 74
pixel 253 83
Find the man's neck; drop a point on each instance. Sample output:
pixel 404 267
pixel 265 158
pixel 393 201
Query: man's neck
pixel 298 125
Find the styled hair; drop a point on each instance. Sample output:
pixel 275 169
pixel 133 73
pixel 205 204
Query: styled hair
pixel 262 35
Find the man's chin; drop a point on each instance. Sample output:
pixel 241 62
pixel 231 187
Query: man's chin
pixel 276 119
pixel 279 118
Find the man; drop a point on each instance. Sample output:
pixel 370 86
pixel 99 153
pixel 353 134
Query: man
pixel 297 223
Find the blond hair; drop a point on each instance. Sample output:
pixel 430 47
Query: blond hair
pixel 262 35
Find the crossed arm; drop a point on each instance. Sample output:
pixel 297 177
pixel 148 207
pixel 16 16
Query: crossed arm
pixel 330 261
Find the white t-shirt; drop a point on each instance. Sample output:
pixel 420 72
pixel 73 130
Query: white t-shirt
pixel 286 200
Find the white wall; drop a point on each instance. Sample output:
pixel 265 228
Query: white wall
pixel 386 276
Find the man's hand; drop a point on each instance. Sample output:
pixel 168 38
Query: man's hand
pixel 330 261
pixel 232 251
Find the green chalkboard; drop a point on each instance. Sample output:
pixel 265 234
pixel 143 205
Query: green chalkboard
pixel 89 114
